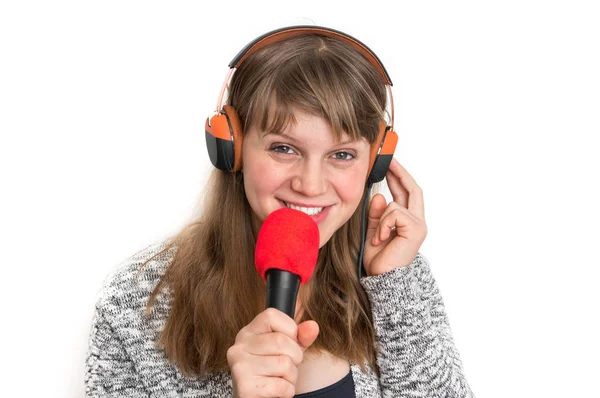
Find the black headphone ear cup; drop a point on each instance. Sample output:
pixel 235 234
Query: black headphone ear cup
pixel 223 134
pixel 382 153
pixel 235 128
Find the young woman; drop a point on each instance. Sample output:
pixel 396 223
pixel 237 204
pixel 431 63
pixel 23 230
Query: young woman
pixel 303 128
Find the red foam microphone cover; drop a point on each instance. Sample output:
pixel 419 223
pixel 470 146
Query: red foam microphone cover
pixel 289 240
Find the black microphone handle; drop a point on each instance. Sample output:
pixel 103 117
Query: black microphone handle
pixel 282 290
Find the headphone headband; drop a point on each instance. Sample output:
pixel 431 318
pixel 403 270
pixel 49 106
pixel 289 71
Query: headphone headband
pixel 281 34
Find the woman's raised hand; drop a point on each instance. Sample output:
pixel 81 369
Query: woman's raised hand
pixel 266 353
pixel 397 229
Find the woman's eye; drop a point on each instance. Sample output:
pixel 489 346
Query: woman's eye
pixel 283 149
pixel 343 156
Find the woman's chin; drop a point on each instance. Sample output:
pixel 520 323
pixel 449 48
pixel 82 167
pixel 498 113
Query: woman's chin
pixel 323 239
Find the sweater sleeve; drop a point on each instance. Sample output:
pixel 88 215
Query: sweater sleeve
pixel 109 372
pixel 415 349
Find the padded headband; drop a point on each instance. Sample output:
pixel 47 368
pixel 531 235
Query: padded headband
pixel 286 33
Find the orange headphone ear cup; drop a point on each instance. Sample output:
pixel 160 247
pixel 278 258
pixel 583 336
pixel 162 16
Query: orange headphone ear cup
pixel 223 133
pixel 382 153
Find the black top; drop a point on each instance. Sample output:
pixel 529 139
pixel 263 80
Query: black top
pixel 341 389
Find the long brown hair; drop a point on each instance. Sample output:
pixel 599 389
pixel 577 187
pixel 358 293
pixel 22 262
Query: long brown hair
pixel 215 288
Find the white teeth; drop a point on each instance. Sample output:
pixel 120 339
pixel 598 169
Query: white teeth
pixel 311 211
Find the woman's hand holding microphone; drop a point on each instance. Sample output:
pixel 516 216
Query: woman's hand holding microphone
pixel 266 353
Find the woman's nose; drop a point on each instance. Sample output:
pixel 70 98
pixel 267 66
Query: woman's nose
pixel 310 179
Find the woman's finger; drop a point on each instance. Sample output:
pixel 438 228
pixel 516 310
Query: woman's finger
pixel 376 209
pixel 267 344
pixel 403 185
pixel 272 320
pixel 275 366
pixel 399 194
pixel 394 217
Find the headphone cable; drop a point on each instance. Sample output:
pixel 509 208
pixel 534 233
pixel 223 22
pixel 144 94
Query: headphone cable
pixel 363 232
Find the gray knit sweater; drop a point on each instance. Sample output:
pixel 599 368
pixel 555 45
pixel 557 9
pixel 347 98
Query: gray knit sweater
pixel 416 353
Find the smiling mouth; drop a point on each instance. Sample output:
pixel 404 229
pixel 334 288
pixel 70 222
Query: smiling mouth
pixel 311 211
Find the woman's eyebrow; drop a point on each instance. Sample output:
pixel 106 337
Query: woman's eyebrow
pixel 280 134
pixel 291 138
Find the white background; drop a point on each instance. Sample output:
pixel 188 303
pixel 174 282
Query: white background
pixel 102 152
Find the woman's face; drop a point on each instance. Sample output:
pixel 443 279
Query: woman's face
pixel 307 169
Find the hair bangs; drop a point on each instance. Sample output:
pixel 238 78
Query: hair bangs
pixel 323 85
pixel 274 115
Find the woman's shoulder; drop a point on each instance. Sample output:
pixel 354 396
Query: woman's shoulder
pixel 130 283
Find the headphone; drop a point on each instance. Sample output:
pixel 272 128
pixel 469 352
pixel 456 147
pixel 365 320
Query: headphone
pixel 224 130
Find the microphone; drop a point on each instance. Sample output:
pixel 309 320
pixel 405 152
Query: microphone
pixel 286 254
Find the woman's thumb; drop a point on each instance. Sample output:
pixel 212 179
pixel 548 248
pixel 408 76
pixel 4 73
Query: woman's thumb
pixel 307 333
